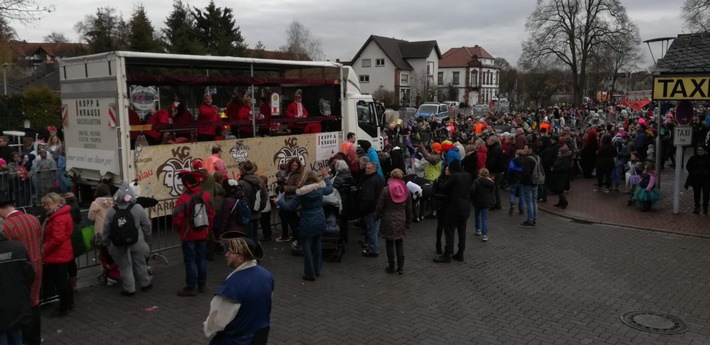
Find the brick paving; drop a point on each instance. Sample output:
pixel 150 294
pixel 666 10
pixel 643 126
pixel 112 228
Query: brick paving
pixel 563 282
pixel 611 208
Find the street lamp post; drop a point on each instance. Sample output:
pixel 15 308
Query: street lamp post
pixel 4 77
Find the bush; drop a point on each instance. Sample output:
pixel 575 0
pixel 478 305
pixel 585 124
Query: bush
pixel 42 107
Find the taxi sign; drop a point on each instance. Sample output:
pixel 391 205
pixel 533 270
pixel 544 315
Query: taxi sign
pixel 683 136
pixel 681 88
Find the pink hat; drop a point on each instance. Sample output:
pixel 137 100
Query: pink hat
pixel 398 190
pixel 642 121
pixel 2 162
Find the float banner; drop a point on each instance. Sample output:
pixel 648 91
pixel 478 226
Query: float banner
pixel 157 167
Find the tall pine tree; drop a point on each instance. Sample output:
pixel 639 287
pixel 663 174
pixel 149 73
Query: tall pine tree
pixel 141 37
pixel 217 31
pixel 179 35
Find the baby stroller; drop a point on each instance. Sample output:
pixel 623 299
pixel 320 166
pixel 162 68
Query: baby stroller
pixel 332 238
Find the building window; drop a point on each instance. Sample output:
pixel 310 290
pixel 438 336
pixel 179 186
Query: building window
pixel 474 78
pixel 379 62
pixel 430 68
pixel 405 79
pixel 456 78
pixel 364 78
pixel 366 62
pixel 440 78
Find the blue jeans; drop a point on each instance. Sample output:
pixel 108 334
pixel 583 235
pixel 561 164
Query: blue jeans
pixel 516 190
pixel 312 256
pixel 481 215
pixel 372 228
pixel 530 197
pixel 11 336
pixel 194 254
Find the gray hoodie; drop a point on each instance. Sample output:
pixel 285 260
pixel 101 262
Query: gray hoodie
pixel 124 197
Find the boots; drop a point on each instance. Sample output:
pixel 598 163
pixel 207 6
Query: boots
pixel 390 267
pixel 696 209
pixel 563 204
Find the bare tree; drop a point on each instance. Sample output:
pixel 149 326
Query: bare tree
pixel 622 52
pixel 55 37
pixel 301 44
pixel 567 32
pixel 697 15
pixel 23 11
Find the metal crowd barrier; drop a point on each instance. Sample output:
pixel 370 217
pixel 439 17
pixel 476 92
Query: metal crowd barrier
pixel 28 188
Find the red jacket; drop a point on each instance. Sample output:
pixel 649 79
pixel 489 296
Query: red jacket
pixel 160 117
pixel 57 237
pixel 182 224
pixel 207 115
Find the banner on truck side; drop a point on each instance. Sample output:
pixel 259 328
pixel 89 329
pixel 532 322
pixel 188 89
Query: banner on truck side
pixel 90 134
pixel 157 167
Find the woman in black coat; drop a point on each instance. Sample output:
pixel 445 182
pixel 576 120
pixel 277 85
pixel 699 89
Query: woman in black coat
pixel 699 178
pixel 344 183
pixel 560 175
pixel 605 163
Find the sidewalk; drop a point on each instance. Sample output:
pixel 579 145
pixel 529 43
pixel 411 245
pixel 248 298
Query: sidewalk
pixel 585 205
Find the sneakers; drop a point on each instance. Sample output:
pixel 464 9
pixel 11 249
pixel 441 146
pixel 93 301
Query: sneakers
pixel 457 257
pixel 484 238
pixel 187 292
pixel 283 239
pixel 511 210
pixel 390 269
pixel 526 224
pixel 478 232
pixel 445 259
pixel 369 254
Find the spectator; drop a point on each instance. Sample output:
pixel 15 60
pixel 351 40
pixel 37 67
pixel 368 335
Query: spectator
pixel 482 199
pixel 371 153
pixel 240 311
pixel 214 162
pixel 131 259
pixel 252 184
pixel 25 229
pixel 560 176
pixel 515 173
pixel 265 220
pixel 344 182
pixel 233 219
pixel 699 178
pixel 5 149
pixel 369 191
pixel 15 304
pixel 394 211
pixel 194 241
pixel 647 194
pixel 309 197
pixel 529 188
pixel 457 188
pixel 349 149
pixel 605 164
pixel 289 219
pixel 97 214
pixel 57 251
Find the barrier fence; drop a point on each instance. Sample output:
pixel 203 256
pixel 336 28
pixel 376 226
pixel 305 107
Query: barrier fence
pixel 27 188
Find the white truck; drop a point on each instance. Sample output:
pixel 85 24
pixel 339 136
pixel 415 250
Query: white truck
pixel 99 91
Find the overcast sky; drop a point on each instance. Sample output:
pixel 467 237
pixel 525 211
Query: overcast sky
pixel 344 25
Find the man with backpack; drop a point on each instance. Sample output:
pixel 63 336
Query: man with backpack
pixel 256 193
pixel 193 217
pixel 127 230
pixel 532 176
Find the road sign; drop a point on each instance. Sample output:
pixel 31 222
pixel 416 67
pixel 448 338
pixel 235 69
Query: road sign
pixel 683 135
pixel 681 88
pixel 684 113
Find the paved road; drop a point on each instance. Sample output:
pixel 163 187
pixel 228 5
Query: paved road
pixel 559 283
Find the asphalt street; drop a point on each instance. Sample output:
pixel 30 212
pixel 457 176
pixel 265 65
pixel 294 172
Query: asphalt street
pixel 562 282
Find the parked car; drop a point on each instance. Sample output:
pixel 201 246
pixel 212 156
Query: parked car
pixel 437 111
pixel 453 107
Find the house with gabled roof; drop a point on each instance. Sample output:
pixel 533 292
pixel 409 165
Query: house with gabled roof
pixel 472 70
pixel 407 68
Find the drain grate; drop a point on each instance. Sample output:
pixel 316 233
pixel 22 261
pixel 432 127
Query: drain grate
pixel 654 322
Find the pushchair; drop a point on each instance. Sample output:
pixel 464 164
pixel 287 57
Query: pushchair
pixel 332 239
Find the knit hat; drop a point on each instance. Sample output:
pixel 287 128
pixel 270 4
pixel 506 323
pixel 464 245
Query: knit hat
pixel 436 148
pixel 398 190
pixel 446 145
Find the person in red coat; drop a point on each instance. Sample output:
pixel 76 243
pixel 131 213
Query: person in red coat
pixel 297 110
pixel 194 241
pixel 208 119
pixel 58 252
pixel 244 113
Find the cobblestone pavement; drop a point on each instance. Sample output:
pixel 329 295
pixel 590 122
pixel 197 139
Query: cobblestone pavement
pixel 562 282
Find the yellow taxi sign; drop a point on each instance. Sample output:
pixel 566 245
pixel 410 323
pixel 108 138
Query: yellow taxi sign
pixel 681 88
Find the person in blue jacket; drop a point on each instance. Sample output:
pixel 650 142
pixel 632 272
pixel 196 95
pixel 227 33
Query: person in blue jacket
pixel 309 196
pixel 371 153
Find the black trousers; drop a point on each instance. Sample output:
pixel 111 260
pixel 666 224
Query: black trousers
pixel 289 219
pixel 455 223
pixel 57 274
pixel 393 246
pixel 265 223
pixel 32 332
pixel 704 190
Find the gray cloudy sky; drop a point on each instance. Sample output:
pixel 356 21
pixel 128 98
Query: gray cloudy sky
pixel 344 25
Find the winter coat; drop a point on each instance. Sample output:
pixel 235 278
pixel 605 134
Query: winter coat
pixel 515 170
pixel 232 223
pixel 451 155
pixel 291 184
pixel 482 155
pixel 181 221
pixel 310 199
pixel 558 181
pixel 395 217
pixel 369 191
pixel 698 171
pixel 482 192
pixel 97 213
pixel 344 184
pixel 249 183
pixel 123 198
pixel 495 161
pixel 605 157
pixel 58 228
pixel 374 158
pixel 469 163
pixel 16 276
pixel 457 188
pixel 528 168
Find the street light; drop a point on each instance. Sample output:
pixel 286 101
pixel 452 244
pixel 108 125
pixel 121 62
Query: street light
pixel 4 76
